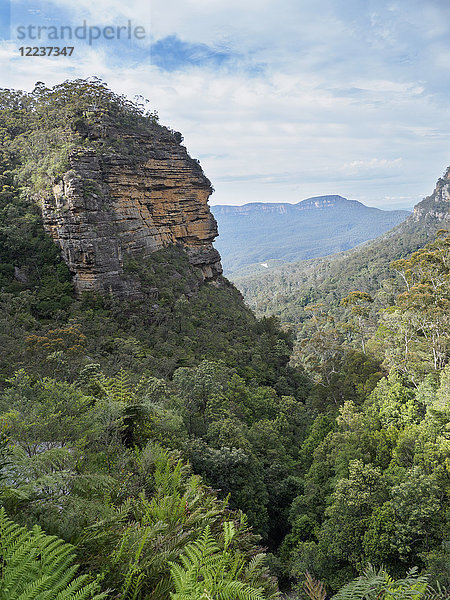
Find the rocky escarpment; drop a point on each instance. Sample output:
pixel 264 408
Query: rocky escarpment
pixel 114 204
pixel 435 208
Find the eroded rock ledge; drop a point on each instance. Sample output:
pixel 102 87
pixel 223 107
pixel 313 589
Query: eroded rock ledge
pixel 110 205
pixel 435 208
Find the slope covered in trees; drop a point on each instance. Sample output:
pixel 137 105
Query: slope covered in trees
pixel 282 232
pixel 285 290
pixel 167 441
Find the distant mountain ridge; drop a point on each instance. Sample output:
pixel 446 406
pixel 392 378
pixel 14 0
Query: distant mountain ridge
pixel 258 232
pixel 285 289
pixel 287 207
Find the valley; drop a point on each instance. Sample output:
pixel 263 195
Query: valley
pixel 167 433
pixel 277 233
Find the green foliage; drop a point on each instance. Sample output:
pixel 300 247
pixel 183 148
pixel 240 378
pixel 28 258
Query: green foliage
pixel 32 412
pixel 337 462
pixel 360 312
pixel 35 565
pixel 419 324
pixel 208 570
pixel 378 585
pixel 353 501
pixel 286 290
pixel 396 403
pixel 144 535
pixel 376 489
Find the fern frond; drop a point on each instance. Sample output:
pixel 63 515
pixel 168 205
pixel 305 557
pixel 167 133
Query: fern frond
pixel 39 567
pixel 378 585
pixel 208 571
pixel 229 533
pixel 314 588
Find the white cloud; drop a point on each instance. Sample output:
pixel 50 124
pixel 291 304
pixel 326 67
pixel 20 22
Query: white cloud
pixel 372 165
pixel 316 98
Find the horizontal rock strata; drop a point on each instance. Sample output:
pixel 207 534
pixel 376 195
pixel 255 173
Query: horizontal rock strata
pixel 110 205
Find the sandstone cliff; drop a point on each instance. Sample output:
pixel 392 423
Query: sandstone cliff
pixel 435 208
pixel 112 204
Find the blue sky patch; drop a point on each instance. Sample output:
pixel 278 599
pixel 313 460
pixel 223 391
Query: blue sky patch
pixel 5 20
pixel 172 54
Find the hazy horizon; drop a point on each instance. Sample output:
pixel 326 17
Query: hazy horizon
pixel 212 203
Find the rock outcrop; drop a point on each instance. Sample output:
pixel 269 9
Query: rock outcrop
pixel 435 208
pixel 114 204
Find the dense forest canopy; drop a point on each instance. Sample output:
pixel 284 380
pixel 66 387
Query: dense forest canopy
pixel 161 447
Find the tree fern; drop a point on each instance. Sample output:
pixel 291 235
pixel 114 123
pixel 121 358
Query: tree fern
pixel 378 585
pixel 314 588
pixel 437 593
pixel 209 572
pixel 136 544
pixel 36 566
pixel 118 388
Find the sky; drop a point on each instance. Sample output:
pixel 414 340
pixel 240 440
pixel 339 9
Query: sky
pixel 280 100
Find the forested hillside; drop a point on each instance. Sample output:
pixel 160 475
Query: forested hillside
pixel 169 444
pixel 282 232
pixel 285 290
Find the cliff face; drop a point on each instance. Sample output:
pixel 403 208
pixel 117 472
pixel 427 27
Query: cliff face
pixel 435 208
pixel 113 204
